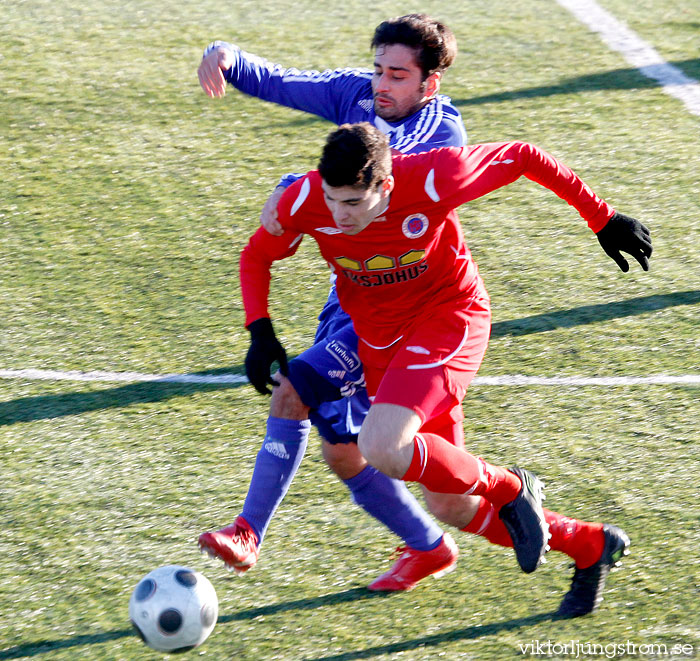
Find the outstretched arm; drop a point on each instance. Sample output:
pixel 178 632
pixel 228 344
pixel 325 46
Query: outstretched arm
pixel 327 94
pixel 618 233
pixel 484 168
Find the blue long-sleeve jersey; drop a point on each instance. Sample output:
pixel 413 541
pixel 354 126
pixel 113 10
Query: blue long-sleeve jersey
pixel 344 96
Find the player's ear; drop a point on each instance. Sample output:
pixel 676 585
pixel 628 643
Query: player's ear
pixel 432 84
pixel 388 185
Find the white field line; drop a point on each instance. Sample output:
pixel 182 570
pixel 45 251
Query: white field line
pixel 506 380
pixel 119 377
pixel 636 51
pixel 516 380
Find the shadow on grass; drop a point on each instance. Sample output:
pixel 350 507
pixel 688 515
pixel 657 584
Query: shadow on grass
pixel 45 407
pixel 47 646
pixel 468 633
pixel 354 594
pixel 588 314
pixel 622 79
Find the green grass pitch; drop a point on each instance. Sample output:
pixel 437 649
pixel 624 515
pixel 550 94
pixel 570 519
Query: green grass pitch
pixel 126 196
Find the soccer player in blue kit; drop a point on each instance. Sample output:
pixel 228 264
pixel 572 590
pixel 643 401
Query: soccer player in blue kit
pixel 325 384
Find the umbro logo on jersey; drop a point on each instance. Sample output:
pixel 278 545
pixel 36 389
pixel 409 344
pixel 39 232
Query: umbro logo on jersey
pixel 329 230
pixel 418 349
pixel 277 449
pixel 504 162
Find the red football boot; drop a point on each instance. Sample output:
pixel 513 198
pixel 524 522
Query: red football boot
pixel 413 566
pixel 236 545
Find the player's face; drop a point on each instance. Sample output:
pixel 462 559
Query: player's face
pixel 397 84
pixel 353 209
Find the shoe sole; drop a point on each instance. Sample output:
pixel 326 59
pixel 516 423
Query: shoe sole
pixel 547 533
pixel 437 574
pixel 443 572
pixel 614 566
pixel 238 568
pixel 626 543
pixel 449 567
pixel 537 490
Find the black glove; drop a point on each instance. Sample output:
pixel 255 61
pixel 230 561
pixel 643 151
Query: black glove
pixel 264 350
pixel 629 235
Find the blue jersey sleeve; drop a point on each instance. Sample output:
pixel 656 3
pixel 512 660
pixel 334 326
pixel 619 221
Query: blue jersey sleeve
pixel 288 179
pixel 328 94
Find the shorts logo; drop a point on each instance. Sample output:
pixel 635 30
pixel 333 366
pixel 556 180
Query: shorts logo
pixel 347 358
pixel 414 226
pixel 351 387
pixel 336 374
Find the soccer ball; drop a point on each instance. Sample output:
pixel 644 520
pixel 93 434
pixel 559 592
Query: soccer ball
pixel 173 608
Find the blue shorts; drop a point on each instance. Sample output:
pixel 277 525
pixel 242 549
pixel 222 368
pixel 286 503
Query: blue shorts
pixel 329 378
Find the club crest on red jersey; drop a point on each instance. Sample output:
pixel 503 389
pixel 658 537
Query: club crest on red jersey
pixel 414 226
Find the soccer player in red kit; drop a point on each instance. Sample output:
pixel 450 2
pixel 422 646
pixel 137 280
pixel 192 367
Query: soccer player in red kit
pixel 388 228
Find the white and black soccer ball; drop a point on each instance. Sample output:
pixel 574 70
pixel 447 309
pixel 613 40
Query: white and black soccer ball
pixel 173 608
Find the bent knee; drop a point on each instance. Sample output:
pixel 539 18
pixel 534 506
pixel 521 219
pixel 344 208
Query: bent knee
pixel 441 505
pixel 386 438
pixel 381 452
pixel 453 509
pixel 285 402
pixel 344 459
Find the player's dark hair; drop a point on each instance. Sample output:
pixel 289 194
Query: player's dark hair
pixel 356 155
pixel 435 44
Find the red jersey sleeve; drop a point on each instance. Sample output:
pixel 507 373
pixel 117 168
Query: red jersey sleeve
pixel 256 262
pixel 480 169
pixel 264 248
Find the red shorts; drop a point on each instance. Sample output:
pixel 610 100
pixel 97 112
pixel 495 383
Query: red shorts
pixel 430 368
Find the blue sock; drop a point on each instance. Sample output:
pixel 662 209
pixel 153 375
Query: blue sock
pixel 275 466
pixel 390 502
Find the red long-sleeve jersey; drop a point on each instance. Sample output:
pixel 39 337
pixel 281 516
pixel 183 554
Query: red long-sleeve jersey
pixel 413 257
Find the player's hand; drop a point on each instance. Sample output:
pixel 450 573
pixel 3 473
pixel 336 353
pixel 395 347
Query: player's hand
pixel 626 234
pixel 264 350
pixel 268 216
pixel 210 71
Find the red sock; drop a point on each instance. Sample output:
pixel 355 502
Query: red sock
pixel 580 540
pixel 487 524
pixel 443 468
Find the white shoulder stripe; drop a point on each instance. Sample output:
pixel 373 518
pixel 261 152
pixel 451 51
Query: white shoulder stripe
pixel 430 186
pixel 309 76
pixel 430 119
pixel 301 198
